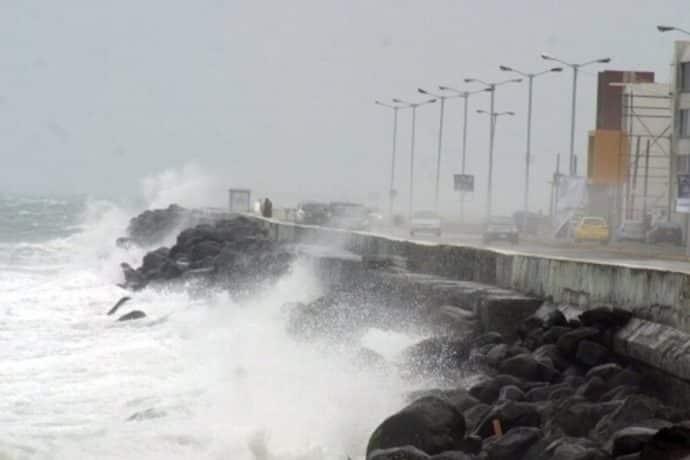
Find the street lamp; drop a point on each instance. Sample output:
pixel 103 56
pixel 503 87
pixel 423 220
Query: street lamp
pixel 442 98
pixel 576 68
pixel 670 28
pixel 491 87
pixel 413 106
pixel 493 116
pixel 530 79
pixel 391 190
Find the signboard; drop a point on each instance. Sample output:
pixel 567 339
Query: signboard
pixel 239 200
pixel 683 199
pixel 463 182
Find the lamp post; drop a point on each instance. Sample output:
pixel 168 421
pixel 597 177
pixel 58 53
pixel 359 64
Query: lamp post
pixel 491 87
pixel 671 28
pixel 530 83
pixel 391 190
pixel 576 68
pixel 463 153
pixel 439 142
pixel 413 106
pixel 493 116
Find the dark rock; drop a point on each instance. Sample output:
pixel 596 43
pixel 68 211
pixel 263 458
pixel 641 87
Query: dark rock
pixel 574 323
pixel 514 442
pixel 398 453
pixel 672 443
pixel 593 389
pixel 497 354
pixel 459 398
pixel 568 448
pixel 134 314
pixel 551 352
pixel 527 368
pixel 133 279
pixel 511 414
pixel 552 334
pixel 567 343
pixel 490 338
pixel 474 415
pixel 591 353
pixel 436 354
pixel 528 325
pixel 619 393
pixel 604 371
pixel 429 424
pixel 487 390
pixel 541 393
pixel 453 455
pixel 626 377
pixel 511 393
pixel 472 444
pixel 204 249
pixel 555 318
pixel 629 440
pixel 533 339
pixel 575 381
pixel 633 409
pixel 604 318
pixel 119 304
pixel 576 417
pixel 561 393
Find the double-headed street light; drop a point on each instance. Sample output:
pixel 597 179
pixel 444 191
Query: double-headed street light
pixel 463 154
pixel 493 116
pixel 576 68
pixel 530 79
pixel 413 106
pixel 441 98
pixel 671 28
pixel 491 87
pixel 391 190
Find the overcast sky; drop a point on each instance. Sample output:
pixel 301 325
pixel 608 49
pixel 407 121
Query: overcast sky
pixel 278 95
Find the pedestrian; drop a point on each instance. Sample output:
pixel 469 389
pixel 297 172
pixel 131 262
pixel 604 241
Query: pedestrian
pixel 267 210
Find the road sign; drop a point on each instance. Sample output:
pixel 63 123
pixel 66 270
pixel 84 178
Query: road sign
pixel 463 182
pixel 683 199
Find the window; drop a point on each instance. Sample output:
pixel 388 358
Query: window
pixel 685 76
pixel 684 123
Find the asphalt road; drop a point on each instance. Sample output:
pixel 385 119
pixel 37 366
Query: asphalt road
pixel 663 257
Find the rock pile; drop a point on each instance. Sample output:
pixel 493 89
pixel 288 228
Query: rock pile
pixel 557 393
pixel 235 253
pixel 153 226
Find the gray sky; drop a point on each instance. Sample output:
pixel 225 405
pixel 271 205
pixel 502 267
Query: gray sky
pixel 278 96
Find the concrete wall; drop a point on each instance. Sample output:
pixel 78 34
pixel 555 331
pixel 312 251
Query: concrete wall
pixel 656 295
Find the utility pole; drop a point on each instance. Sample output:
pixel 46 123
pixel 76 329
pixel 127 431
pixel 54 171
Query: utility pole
pixel 391 188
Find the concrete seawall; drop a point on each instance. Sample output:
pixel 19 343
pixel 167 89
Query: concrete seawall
pixel 658 338
pixel 658 295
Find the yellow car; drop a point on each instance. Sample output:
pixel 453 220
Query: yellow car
pixel 592 229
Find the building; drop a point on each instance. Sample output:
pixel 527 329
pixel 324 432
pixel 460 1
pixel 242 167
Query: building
pixel 629 166
pixel 680 84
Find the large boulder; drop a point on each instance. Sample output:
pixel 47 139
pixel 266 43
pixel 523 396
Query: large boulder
pixel 672 443
pixel 566 448
pixel 591 353
pixel 630 440
pixel 604 318
pixel 436 354
pixel 510 414
pixel 430 424
pixel 568 342
pixel 632 410
pixel 512 444
pixel 576 417
pixel 398 453
pixel 527 368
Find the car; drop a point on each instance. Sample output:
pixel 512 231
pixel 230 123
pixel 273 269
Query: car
pixel 665 232
pixel 312 213
pixel 500 229
pixel 630 231
pixel 425 222
pixel 592 228
pixel 348 216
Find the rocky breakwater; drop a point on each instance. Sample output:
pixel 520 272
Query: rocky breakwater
pixel 234 253
pixel 557 392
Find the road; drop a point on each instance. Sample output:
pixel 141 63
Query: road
pixel 662 257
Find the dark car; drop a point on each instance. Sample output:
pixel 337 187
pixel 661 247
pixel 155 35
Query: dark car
pixel 312 213
pixel 500 229
pixel 665 232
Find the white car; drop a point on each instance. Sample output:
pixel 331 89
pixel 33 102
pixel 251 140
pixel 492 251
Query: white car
pixel 425 222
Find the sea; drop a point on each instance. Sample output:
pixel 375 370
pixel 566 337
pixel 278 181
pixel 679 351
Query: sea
pixel 201 377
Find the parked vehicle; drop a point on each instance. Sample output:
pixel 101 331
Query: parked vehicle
pixel 500 229
pixel 425 222
pixel 312 213
pixel 665 232
pixel 350 216
pixel 630 231
pixel 592 229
